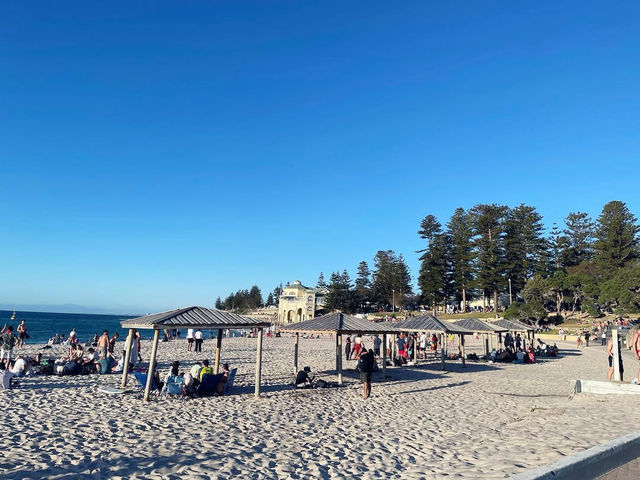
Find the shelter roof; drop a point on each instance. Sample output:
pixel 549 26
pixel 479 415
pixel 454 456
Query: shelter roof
pixel 429 323
pixel 513 326
pixel 196 317
pixel 478 325
pixel 340 323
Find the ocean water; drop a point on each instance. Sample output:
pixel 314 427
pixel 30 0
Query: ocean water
pixel 41 325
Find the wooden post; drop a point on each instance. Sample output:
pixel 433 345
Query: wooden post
pixel 295 354
pixel 218 348
pixel 339 356
pixel 464 361
pixel 415 350
pixel 616 355
pixel 152 365
pixel 485 337
pixel 127 359
pixel 384 355
pixel 259 362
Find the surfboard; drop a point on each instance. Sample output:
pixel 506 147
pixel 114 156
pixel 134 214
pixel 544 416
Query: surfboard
pixel 115 391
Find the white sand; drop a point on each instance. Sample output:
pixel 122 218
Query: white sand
pixel 483 421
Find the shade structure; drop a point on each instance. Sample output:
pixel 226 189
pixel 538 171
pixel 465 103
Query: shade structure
pixel 191 317
pixel 339 323
pixel 513 326
pixel 477 325
pixel 429 323
pixel 194 317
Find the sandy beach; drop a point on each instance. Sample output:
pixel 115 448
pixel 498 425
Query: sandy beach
pixel 481 421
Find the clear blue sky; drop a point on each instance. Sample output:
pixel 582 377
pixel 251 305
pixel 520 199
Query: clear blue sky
pixel 159 154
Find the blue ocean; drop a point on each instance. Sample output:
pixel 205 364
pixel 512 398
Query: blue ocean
pixel 41 326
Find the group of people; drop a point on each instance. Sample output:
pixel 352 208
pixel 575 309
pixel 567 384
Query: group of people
pixel 354 346
pixel 98 355
pixel 411 345
pixel 194 340
pixel 199 380
pixel 366 365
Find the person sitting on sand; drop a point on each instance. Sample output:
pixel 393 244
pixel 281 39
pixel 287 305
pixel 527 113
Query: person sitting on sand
pixel 205 370
pixel 5 376
pixel 19 368
pixel 519 356
pixel 530 356
pixel 195 372
pixel 222 381
pixel 119 366
pixel 303 380
pixel 90 360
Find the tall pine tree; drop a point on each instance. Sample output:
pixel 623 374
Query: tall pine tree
pixel 616 235
pixel 433 276
pixel 460 233
pixel 488 227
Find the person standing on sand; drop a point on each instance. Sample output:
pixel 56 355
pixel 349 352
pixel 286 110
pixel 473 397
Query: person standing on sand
pixel 635 346
pixel 198 337
pixel 610 355
pixel 347 348
pixel 189 339
pixel 366 362
pixel 22 334
pixel 112 342
pixel 7 341
pixel 376 345
pixel 103 344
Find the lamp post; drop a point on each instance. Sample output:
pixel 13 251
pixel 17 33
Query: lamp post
pixel 510 299
pixel 394 300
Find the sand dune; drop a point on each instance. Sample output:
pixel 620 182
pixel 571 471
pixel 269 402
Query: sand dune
pixel 482 421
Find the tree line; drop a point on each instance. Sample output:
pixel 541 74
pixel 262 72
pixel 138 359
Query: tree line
pixel 585 265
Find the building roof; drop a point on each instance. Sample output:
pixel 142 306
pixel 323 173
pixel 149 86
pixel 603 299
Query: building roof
pixel 338 323
pixel 195 317
pixel 429 323
pixel 513 326
pixel 478 325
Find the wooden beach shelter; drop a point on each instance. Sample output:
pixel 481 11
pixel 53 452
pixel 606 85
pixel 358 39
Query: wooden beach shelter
pixel 429 323
pixel 486 329
pixel 515 326
pixel 191 317
pixel 339 324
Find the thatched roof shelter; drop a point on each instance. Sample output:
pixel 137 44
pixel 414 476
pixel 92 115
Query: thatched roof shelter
pixel 191 317
pixel 338 324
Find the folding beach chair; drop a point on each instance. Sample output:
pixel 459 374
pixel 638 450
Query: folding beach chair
pixel 174 386
pixel 141 378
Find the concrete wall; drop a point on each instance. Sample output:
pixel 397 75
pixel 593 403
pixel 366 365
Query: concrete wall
pixel 591 463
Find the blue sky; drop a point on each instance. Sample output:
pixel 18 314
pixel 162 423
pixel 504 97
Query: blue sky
pixel 159 154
